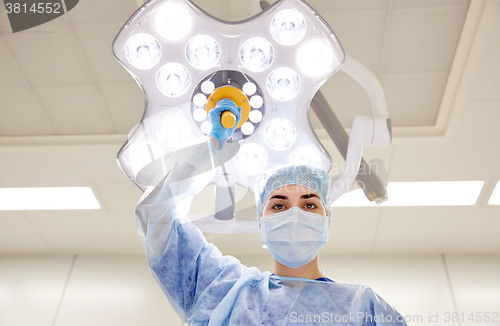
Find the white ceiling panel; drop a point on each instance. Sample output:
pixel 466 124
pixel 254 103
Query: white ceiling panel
pixel 20 114
pixel 87 232
pixel 219 8
pixel 486 84
pixel 422 40
pixel 411 4
pixel 90 12
pixel 464 158
pixel 18 236
pixel 4 22
pixel 346 98
pixel 10 76
pixel 48 59
pixel 117 291
pixel 96 42
pixel 74 110
pixel 475 295
pixel 34 285
pixel 124 104
pixel 118 197
pixel 438 229
pixel 60 166
pixel 323 6
pixel 361 35
pixel 414 100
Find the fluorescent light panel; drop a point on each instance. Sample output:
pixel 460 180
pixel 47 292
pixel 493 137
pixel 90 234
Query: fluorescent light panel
pixel 436 193
pixel 495 196
pixel 54 198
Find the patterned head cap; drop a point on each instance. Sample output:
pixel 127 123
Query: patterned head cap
pixel 303 175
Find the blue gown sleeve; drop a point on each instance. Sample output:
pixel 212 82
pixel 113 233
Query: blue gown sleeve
pixel 192 273
pixel 375 310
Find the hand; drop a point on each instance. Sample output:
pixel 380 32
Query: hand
pixel 219 132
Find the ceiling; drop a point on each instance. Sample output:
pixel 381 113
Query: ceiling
pixel 66 107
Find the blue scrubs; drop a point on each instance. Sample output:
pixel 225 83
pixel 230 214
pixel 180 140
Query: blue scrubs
pixel 207 288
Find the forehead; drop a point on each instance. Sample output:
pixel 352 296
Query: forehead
pixel 292 191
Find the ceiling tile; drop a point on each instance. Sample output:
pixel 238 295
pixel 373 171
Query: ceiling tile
pixel 411 4
pixel 326 7
pixel 118 197
pixel 464 158
pixel 414 100
pixel 219 9
pixel 124 104
pixel 96 42
pixel 423 40
pixel 346 98
pixel 119 290
pixel 91 12
pixel 17 235
pixel 48 59
pixel 486 83
pixel 4 22
pixel 10 76
pixel 88 232
pixel 74 110
pixel 20 114
pixel 60 166
pixel 32 284
pixel 468 229
pixel 361 36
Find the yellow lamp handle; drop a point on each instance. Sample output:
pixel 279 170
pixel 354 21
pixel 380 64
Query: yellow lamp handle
pixel 228 119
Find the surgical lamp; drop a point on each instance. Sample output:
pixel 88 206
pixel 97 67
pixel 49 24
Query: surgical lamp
pixel 271 65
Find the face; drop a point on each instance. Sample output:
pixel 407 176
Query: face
pixel 293 195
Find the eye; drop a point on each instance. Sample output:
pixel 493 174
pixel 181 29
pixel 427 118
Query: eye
pixel 278 206
pixel 310 206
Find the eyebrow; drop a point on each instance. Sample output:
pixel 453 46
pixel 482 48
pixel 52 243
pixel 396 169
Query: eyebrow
pixel 302 197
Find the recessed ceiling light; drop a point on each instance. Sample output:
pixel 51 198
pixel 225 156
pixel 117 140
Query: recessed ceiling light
pixel 495 196
pixel 436 193
pixel 44 198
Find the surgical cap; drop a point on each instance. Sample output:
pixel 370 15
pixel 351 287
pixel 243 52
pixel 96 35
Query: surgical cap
pixel 303 175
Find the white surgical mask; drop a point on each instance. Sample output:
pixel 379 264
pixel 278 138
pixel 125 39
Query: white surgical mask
pixel 294 237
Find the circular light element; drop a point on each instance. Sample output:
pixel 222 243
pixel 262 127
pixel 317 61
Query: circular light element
pixel 206 127
pixel 251 159
pixel 200 115
pixel 200 100
pixel 143 51
pixel 202 52
pixel 249 88
pixel 247 128
pixel 256 54
pixel 256 101
pixel 306 155
pixel 283 84
pixel 255 116
pixel 280 134
pixel 173 22
pixel 288 27
pixel 173 130
pixel 207 87
pixel 315 58
pixel 173 79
